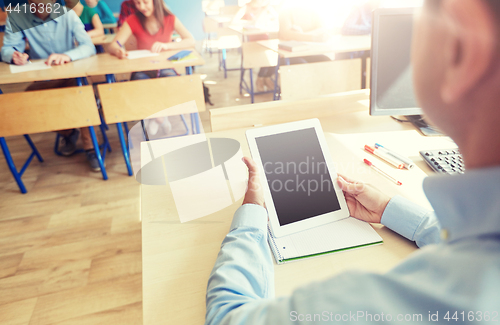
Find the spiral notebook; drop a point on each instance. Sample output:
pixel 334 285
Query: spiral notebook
pixel 334 237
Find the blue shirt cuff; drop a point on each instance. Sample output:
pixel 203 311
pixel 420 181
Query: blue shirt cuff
pixel 403 216
pixel 250 215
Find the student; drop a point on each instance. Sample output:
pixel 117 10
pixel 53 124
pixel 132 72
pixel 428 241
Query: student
pixel 89 18
pixel 101 8
pixel 152 25
pixel 456 78
pixel 303 24
pixel 259 13
pixel 68 42
pixel 126 9
pixel 359 21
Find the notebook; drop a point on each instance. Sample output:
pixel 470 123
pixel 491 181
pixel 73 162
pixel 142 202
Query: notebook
pixel 334 237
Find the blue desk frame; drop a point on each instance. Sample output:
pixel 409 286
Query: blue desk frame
pixel 18 174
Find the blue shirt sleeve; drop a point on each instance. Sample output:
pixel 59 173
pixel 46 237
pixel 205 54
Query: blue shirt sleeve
pixel 11 40
pixel 244 270
pixel 412 221
pixel 85 46
pixel 240 287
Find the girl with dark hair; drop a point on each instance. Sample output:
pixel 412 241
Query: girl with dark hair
pixel 152 25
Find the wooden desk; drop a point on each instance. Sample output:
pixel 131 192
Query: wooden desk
pixel 102 40
pixel 338 44
pixel 242 30
pixel 97 65
pixel 111 27
pixel 105 63
pixel 74 69
pixel 178 258
pixel 221 19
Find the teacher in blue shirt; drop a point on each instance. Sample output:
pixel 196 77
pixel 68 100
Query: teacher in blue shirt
pixel 457 271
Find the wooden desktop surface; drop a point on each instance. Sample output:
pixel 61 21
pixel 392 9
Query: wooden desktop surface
pixel 110 25
pixel 221 19
pixel 178 258
pixel 100 64
pixel 74 69
pixel 245 31
pixel 338 44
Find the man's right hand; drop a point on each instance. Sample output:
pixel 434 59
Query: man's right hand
pixel 20 58
pixel 364 201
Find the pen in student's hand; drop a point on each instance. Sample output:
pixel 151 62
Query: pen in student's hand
pixel 407 161
pixel 15 49
pixel 380 171
pixel 119 44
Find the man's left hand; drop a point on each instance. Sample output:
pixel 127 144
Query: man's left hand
pixel 254 194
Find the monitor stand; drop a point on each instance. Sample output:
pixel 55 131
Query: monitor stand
pixel 422 126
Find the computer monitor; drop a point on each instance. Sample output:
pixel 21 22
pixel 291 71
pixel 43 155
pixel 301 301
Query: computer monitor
pixel 391 72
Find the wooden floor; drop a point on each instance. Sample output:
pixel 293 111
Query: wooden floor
pixel 70 249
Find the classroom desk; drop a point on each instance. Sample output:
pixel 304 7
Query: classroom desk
pixel 102 40
pixel 178 258
pixel 338 44
pixel 245 31
pixel 111 27
pixel 221 20
pixel 100 64
pixel 105 64
pixel 74 69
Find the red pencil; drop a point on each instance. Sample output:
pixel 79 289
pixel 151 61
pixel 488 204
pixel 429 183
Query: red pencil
pixel 380 171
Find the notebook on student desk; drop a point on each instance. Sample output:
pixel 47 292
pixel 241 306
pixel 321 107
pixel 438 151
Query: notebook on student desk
pixel 335 237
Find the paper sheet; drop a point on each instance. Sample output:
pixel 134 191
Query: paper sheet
pixel 28 67
pixel 140 54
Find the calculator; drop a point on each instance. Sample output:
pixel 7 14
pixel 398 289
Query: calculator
pixel 444 161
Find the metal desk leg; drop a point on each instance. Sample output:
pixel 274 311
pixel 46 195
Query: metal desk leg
pixel 11 165
pixel 126 155
pixel 33 148
pixel 98 153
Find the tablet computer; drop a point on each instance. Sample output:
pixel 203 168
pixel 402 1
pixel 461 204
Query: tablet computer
pixel 298 177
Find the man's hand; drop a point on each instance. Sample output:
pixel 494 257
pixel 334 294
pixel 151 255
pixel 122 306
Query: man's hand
pixel 364 201
pixel 158 47
pixel 57 59
pixel 20 58
pixel 254 194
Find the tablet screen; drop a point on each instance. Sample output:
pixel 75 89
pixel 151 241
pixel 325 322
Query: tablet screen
pixel 297 175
